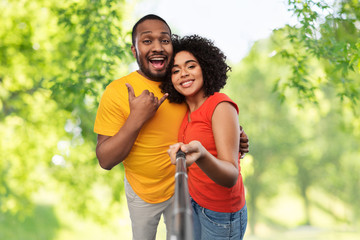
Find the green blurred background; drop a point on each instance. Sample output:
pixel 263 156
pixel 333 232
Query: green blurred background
pixel 298 93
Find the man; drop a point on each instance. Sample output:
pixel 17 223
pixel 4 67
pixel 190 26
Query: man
pixel 136 126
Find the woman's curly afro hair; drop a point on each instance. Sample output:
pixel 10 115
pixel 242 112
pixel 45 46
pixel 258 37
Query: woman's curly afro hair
pixel 211 60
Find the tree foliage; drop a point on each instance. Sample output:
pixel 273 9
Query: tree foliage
pixel 56 58
pixel 331 33
pixel 296 150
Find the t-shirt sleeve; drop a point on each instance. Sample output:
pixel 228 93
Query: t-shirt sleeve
pixel 110 115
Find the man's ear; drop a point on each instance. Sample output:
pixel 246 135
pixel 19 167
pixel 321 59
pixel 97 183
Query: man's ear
pixel 133 50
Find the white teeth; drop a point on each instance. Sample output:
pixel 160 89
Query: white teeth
pixel 184 83
pixel 157 59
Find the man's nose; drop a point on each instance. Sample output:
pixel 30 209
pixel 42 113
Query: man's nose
pixel 157 46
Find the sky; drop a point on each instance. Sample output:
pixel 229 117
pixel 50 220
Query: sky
pixel 234 25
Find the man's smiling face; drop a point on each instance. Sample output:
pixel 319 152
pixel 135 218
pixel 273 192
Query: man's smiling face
pixel 153 49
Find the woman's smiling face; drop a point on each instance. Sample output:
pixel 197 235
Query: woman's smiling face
pixel 186 74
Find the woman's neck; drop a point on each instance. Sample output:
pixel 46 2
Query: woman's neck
pixel 194 102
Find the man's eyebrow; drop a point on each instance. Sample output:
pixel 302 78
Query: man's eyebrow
pixel 148 32
pixel 166 33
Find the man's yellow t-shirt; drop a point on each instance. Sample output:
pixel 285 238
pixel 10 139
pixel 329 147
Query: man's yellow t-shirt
pixel 147 167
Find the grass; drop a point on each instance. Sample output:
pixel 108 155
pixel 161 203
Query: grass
pixel 43 224
pixel 48 222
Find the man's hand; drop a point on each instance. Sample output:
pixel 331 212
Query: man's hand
pixel 244 143
pixel 144 106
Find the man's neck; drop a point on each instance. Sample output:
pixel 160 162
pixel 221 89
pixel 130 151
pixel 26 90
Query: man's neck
pixel 147 77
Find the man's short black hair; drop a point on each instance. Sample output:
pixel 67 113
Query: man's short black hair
pixel 147 17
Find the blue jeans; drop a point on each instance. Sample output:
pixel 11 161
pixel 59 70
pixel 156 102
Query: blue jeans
pixel 218 225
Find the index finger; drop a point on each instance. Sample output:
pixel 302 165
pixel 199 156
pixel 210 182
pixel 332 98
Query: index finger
pixel 172 152
pixel 175 147
pixel 163 98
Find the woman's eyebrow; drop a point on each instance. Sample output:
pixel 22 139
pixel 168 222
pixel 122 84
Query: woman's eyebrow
pixel 188 61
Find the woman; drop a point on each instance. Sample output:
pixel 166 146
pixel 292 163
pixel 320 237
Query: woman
pixel 209 137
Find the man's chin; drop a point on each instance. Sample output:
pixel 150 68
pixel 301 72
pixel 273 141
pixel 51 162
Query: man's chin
pixel 158 76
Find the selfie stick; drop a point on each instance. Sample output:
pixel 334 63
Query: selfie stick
pixel 182 214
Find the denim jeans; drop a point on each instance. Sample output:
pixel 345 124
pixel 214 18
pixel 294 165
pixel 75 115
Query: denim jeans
pixel 210 225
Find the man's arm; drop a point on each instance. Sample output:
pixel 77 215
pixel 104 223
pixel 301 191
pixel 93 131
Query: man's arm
pixel 112 150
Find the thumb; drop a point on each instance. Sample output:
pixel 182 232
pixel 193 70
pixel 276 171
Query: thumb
pixel 191 147
pixel 130 91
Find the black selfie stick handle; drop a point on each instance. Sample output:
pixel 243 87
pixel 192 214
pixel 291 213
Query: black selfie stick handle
pixel 182 228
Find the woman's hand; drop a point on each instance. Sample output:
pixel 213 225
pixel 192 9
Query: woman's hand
pixel 173 149
pixel 193 151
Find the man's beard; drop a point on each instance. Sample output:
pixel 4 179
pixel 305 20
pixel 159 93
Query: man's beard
pixel 157 77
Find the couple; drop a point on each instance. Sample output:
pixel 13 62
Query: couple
pixel 136 125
